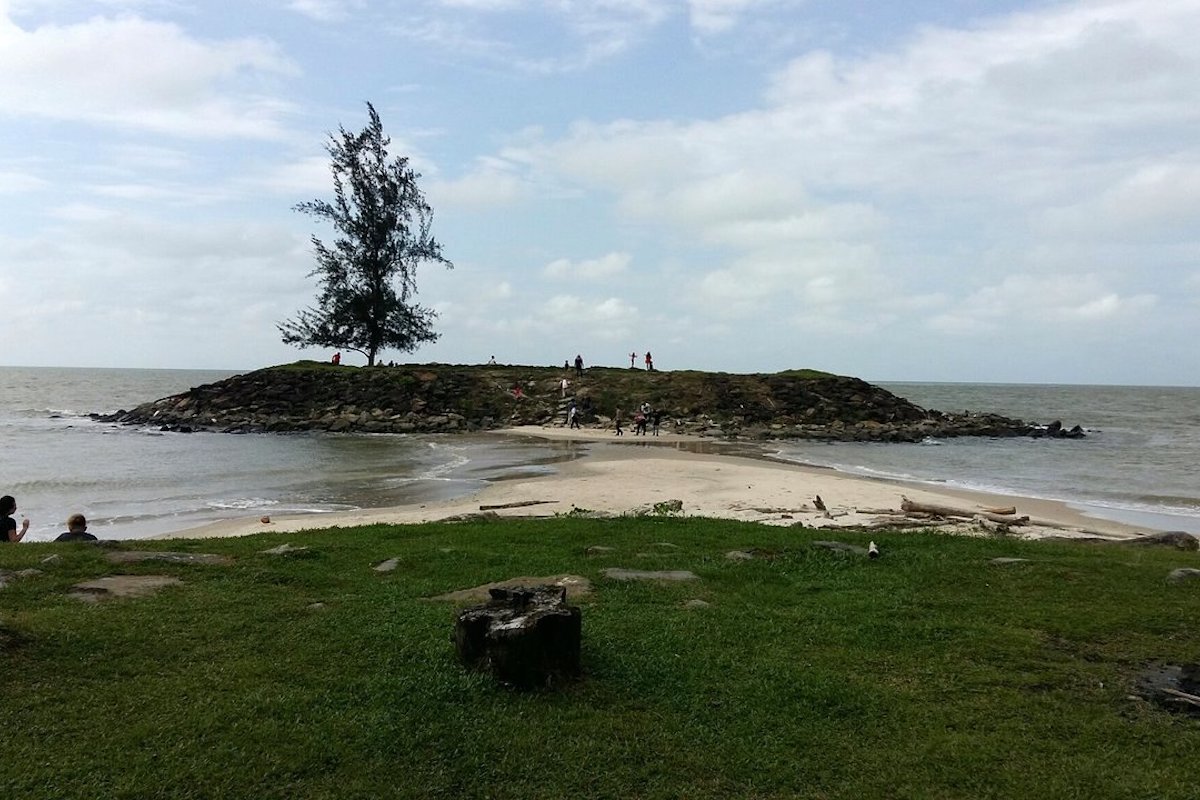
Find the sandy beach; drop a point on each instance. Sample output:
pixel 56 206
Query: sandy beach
pixel 624 474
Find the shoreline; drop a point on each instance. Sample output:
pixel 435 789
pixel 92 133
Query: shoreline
pixel 727 480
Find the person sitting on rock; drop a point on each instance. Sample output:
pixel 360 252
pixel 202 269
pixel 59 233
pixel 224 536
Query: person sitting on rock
pixel 76 530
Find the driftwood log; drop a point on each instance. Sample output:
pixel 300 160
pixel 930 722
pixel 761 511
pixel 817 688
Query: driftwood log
pixel 525 636
pixel 909 506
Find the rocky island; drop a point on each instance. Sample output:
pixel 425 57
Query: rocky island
pixel 444 398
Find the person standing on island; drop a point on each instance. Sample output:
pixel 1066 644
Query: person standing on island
pixel 337 358
pixel 578 366
pixel 8 526
pixel 632 358
pixel 649 362
pixel 617 422
pixel 76 530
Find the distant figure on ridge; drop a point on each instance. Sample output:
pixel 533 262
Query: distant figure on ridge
pixel 578 366
pixel 8 525
pixel 649 362
pixel 632 358
pixel 492 361
pixel 76 530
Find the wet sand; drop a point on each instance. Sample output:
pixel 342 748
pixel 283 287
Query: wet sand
pixel 711 479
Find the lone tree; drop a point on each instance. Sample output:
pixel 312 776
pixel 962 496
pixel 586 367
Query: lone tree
pixel 367 278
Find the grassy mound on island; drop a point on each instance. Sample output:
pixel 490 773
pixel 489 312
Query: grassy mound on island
pixel 928 673
pixel 444 398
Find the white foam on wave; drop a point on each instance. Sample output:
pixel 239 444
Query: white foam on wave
pixel 242 503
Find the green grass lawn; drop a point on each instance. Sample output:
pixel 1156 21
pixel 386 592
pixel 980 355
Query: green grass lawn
pixel 926 674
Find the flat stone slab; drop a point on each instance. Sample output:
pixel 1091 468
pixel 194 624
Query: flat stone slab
pixel 1005 560
pixel 696 604
pixel 620 574
pixel 7 577
pixel 387 566
pixel 842 547
pixel 739 555
pixel 598 549
pixel 1183 574
pixel 121 586
pixel 576 585
pixel 135 556
pixel 285 550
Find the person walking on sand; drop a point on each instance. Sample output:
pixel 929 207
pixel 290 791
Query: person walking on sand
pixel 655 419
pixel 617 423
pixel 9 532
pixel 76 530
pixel 639 423
pixel 573 416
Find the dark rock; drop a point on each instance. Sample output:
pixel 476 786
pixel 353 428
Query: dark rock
pixel 1175 687
pixel 526 637
pixel 574 585
pixel 1180 540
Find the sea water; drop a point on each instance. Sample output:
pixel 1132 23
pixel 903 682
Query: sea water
pixel 1140 462
pixel 133 482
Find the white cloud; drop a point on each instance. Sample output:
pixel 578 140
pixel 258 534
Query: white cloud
pixel 717 16
pixel 610 319
pixel 579 33
pixel 325 10
pixel 1153 200
pixel 605 267
pixel 492 183
pixel 133 73
pixel 1044 302
pixel 21 182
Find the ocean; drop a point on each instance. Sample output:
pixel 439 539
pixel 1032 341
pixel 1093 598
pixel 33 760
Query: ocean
pixel 1140 462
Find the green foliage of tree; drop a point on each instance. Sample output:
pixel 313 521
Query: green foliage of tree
pixel 367 277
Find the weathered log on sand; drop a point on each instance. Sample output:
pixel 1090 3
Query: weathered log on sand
pixel 946 511
pixel 525 636
pixel 515 504
pixel 990 525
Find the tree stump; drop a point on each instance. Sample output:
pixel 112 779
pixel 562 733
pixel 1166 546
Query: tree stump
pixel 525 636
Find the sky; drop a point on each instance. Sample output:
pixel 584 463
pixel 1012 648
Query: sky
pixel 1000 191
